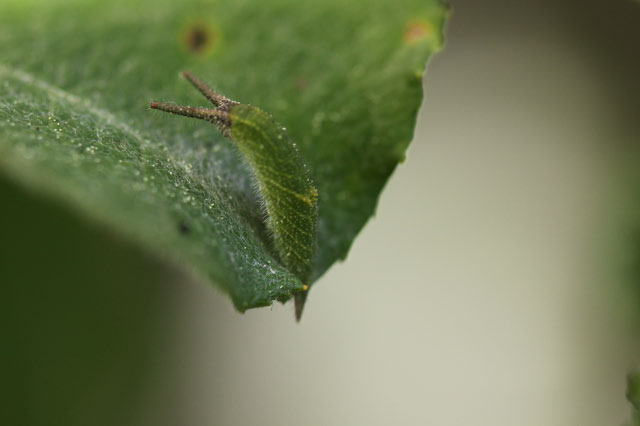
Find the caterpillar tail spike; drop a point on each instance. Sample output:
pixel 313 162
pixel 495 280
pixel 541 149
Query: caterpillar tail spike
pixel 284 181
pixel 215 98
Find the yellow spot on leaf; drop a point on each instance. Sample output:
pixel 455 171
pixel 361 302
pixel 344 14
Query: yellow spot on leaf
pixel 418 30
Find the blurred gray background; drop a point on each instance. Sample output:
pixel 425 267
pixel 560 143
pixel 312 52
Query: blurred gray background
pixel 493 285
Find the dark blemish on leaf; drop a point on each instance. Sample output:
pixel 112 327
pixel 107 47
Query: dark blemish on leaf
pixel 199 38
pixel 184 228
pixel 37 128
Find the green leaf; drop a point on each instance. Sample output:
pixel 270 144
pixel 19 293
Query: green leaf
pixel 344 78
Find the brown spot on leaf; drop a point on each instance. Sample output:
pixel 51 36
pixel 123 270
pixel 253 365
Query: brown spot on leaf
pixel 199 38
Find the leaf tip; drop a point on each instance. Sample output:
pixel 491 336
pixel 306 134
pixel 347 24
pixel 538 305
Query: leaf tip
pixel 299 300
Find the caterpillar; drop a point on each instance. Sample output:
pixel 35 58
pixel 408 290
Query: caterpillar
pixel 283 179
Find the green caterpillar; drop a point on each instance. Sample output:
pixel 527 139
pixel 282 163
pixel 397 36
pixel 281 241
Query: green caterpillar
pixel 289 194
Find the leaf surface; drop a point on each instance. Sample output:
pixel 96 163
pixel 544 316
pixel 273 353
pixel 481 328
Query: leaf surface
pixel 344 78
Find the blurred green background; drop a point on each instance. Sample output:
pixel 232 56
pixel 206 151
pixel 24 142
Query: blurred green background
pixel 497 284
